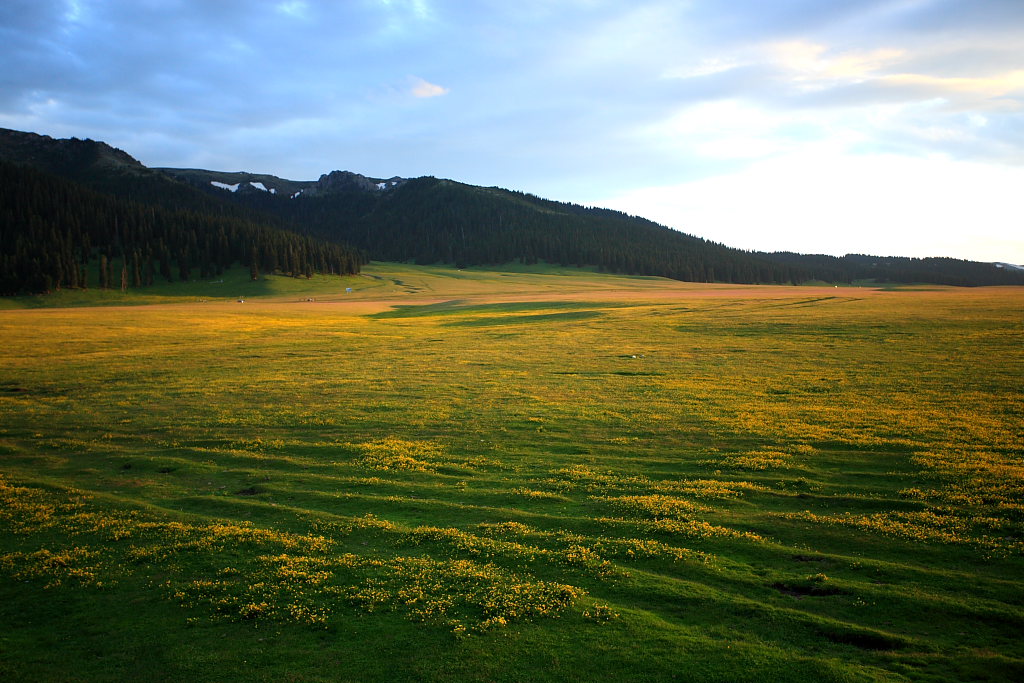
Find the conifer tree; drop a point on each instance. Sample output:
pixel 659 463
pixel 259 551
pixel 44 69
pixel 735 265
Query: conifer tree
pixel 104 272
pixel 136 269
pixel 254 267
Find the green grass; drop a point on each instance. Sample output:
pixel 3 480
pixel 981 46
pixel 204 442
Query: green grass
pixel 376 281
pixel 497 476
pixel 235 283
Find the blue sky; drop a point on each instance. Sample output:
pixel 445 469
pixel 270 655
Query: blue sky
pixel 863 126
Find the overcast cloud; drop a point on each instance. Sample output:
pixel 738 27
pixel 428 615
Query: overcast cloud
pixel 884 126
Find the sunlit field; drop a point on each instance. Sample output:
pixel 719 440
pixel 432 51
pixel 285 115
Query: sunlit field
pixel 478 476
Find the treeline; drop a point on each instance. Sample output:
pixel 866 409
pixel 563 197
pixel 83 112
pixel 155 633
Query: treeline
pixel 427 220
pixel 55 233
pixel 899 269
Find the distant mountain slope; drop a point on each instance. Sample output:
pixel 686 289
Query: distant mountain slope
pixel 428 220
pixel 70 158
pixel 238 181
pixel 112 171
pixel 254 183
pixel 431 220
pixel 57 232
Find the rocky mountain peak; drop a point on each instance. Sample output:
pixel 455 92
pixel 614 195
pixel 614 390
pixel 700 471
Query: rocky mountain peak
pixel 347 181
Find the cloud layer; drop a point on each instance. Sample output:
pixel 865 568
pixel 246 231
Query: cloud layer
pixel 588 100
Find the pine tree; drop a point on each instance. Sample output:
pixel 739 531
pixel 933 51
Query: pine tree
pixel 184 267
pixel 254 266
pixel 136 269
pixel 104 272
pixel 165 264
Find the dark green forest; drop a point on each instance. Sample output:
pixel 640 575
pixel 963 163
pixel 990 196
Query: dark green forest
pixel 896 269
pixel 55 233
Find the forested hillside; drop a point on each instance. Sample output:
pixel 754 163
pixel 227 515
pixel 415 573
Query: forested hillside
pixel 55 233
pixel 90 208
pixel 430 220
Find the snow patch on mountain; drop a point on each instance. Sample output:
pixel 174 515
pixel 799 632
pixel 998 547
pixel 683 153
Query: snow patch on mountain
pixel 255 184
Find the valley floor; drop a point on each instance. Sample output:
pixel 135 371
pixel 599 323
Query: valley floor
pixel 485 476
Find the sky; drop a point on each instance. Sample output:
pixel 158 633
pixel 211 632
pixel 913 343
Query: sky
pixel 891 127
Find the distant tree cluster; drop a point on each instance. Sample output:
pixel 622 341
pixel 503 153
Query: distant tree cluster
pixel 896 269
pixel 57 234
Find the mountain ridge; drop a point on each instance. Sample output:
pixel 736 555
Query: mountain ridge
pixel 81 214
pixel 430 220
pixel 334 181
pixel 64 156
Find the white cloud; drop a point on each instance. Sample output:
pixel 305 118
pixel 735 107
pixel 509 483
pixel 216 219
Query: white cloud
pixel 976 89
pixel 418 8
pixel 422 88
pixel 73 13
pixel 704 66
pixel 294 8
pixel 812 63
pixel 723 129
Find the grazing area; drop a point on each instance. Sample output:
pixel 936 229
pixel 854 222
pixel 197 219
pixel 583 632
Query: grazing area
pixel 554 475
